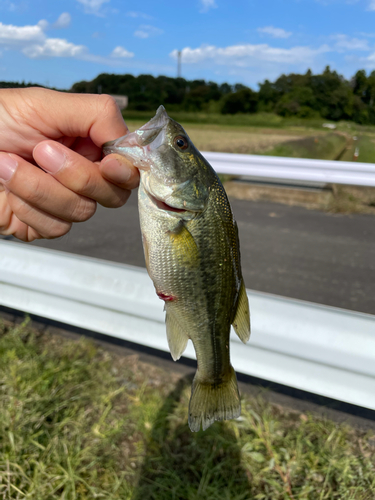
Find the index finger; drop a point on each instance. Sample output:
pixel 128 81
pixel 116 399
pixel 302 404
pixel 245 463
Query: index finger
pixel 79 115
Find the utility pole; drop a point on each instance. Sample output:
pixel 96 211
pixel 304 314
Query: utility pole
pixel 179 64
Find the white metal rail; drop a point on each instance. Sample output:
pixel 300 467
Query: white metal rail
pixel 296 169
pixel 320 349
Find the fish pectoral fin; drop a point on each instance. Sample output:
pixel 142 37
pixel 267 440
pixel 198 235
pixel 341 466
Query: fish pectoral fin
pixel 184 245
pixel 177 338
pixel 241 322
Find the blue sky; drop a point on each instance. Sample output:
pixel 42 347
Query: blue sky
pixel 58 43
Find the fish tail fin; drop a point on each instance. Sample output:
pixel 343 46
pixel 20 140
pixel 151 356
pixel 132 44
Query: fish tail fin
pixel 211 402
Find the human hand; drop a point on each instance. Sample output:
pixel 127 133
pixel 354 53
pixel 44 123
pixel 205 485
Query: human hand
pixel 62 133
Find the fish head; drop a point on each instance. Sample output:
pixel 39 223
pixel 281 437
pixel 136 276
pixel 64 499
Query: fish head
pixel 173 172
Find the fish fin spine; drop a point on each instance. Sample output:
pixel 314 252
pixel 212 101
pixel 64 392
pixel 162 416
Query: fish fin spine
pixel 210 402
pixel 241 322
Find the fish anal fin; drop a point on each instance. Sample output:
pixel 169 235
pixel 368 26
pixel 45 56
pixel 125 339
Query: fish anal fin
pixel 177 339
pixel 211 402
pixel 241 322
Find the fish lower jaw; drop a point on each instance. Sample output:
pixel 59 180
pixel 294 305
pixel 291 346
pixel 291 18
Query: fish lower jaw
pixel 161 205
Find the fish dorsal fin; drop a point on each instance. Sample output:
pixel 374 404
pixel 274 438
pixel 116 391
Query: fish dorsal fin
pixel 177 339
pixel 241 322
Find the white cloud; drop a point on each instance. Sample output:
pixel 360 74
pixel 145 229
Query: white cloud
pixel 54 47
pixel 138 14
pixel 249 55
pixel 371 5
pixel 345 43
pixel 63 21
pixel 275 32
pixel 18 35
pixel 93 6
pixel 43 24
pixel 207 5
pixel 145 31
pixel 121 52
pixel 33 43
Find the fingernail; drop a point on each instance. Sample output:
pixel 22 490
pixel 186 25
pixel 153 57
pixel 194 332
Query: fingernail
pixel 8 166
pixel 50 157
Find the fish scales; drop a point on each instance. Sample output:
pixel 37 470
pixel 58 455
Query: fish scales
pixel 192 255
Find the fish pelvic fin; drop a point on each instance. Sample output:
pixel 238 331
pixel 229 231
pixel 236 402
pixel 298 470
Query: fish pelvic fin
pixel 211 402
pixel 177 339
pixel 241 322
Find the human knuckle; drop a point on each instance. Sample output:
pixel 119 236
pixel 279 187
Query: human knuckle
pixel 83 182
pixel 35 191
pixel 21 208
pixel 83 210
pixel 108 104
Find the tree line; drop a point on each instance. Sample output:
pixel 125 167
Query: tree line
pixel 327 95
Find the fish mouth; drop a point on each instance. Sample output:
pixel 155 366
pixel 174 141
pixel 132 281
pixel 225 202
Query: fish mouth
pixel 136 145
pixel 164 206
pixel 159 121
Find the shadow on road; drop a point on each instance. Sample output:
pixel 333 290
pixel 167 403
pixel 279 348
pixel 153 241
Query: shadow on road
pixel 182 465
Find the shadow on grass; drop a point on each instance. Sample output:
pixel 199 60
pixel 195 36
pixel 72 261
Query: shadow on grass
pixel 183 465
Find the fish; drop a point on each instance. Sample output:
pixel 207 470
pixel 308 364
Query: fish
pixel 192 254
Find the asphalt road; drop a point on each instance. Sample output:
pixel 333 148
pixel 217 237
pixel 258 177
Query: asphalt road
pixel 289 251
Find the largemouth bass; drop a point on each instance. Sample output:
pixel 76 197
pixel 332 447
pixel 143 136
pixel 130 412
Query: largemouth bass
pixel 192 254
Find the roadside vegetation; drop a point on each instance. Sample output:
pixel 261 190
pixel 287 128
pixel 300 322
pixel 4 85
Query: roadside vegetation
pixel 78 422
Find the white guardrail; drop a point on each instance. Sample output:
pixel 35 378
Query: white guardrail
pixel 297 169
pixel 320 349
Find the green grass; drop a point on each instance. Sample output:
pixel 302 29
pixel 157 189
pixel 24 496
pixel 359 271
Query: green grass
pixel 324 147
pixel 264 120
pixel 250 134
pixel 366 146
pixel 81 423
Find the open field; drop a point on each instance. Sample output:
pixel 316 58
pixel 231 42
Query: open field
pixel 264 120
pixel 318 147
pixel 232 139
pixel 81 423
pixel 252 140
pixel 270 134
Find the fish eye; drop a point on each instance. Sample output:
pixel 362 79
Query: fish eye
pixel 181 142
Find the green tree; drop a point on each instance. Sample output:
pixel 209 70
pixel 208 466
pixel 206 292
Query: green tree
pixel 360 85
pixel 300 101
pixel 243 101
